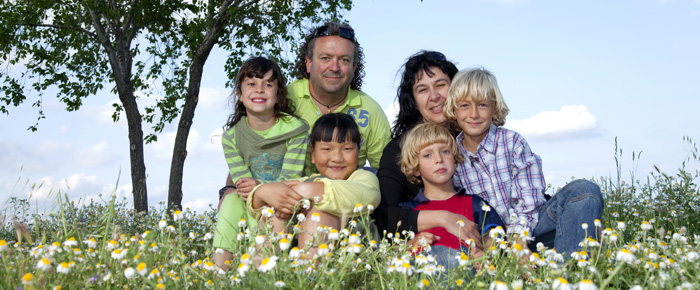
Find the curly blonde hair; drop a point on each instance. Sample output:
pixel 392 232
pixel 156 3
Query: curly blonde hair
pixel 421 136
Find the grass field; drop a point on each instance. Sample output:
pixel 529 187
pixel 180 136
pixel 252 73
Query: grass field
pixel 650 239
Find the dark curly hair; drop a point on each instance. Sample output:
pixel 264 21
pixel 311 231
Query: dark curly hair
pixel 257 67
pixel 306 51
pixel 422 61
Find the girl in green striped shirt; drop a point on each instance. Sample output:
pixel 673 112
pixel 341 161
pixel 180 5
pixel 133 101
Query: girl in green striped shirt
pixel 263 142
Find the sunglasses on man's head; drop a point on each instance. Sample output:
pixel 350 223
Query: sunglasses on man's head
pixel 343 32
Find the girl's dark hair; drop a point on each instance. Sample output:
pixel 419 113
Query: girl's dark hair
pixel 335 127
pixel 257 67
pixel 422 61
pixel 307 49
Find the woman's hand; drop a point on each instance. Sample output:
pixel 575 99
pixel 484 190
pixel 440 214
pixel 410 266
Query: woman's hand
pixel 462 228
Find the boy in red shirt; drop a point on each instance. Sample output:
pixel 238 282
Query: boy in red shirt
pixel 428 158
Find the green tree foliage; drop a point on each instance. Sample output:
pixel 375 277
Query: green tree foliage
pixel 156 48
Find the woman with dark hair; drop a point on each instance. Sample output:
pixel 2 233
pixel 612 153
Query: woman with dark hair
pixel 425 83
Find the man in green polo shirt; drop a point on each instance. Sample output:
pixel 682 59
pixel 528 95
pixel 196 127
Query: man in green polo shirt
pixel 329 70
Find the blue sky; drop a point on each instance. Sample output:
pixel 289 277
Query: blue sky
pixel 575 74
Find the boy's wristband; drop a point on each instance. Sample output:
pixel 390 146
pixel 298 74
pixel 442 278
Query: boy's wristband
pixel 223 190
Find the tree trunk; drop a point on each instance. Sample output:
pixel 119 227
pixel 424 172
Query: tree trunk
pixel 183 129
pixel 138 166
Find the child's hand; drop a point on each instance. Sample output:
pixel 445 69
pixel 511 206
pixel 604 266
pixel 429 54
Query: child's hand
pixel 291 183
pixel 245 185
pixel 422 239
pixel 279 196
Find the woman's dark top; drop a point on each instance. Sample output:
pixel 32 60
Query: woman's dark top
pixel 395 189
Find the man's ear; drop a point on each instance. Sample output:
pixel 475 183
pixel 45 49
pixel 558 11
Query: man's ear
pixel 308 65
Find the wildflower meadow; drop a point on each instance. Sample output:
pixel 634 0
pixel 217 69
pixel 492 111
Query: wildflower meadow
pixel 649 237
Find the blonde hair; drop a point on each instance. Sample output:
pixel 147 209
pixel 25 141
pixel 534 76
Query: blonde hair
pixel 421 136
pixel 478 84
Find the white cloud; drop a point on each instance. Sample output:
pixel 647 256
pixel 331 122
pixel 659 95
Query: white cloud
pixel 46 192
pixel 163 148
pixel 199 205
pixel 102 113
pixel 95 156
pixel 391 112
pixel 213 98
pixel 213 143
pixel 569 122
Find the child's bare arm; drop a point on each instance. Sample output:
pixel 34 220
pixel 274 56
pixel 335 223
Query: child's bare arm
pixel 309 189
pixel 277 195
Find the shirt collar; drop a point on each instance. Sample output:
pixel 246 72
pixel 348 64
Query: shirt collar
pixel 420 197
pixel 352 99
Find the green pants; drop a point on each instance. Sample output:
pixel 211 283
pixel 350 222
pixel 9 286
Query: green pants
pixel 232 210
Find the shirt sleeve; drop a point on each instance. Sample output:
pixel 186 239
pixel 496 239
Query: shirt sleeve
pixel 380 136
pixel 527 192
pixel 341 196
pixel 295 157
pixel 485 220
pixel 395 189
pixel 255 212
pixel 236 164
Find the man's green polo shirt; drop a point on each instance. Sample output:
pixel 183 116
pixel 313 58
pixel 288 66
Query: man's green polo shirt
pixel 370 118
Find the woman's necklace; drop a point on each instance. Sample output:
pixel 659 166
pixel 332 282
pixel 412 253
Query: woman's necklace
pixel 329 106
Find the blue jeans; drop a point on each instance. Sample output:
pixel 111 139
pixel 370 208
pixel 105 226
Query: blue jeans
pixel 561 217
pixel 445 256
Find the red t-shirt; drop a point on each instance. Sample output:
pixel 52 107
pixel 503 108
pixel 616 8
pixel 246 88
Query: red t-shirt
pixel 459 204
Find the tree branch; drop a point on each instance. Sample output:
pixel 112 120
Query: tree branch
pixel 129 24
pixel 58 26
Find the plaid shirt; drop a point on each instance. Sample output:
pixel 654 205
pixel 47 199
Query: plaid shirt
pixel 506 173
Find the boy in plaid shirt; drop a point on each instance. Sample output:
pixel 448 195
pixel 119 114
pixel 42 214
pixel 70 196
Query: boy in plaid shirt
pixel 500 167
